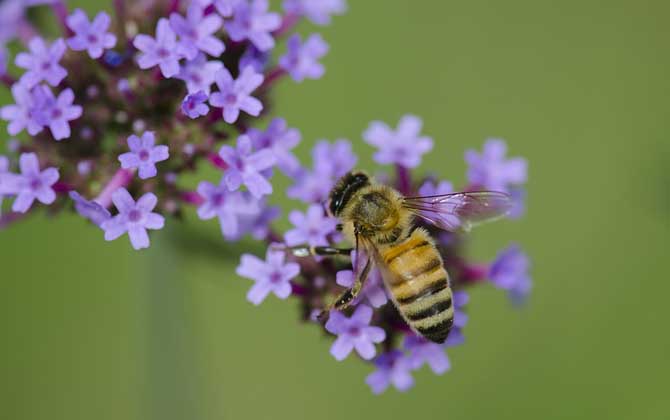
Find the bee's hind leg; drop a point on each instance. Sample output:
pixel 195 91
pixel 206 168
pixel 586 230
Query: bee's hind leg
pixel 348 296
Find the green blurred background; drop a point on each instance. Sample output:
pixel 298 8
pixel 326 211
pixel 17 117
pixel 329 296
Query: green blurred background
pixel 94 330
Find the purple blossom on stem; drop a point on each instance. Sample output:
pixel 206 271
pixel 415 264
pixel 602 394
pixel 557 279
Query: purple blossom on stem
pixel 509 271
pixel 246 167
pixel 317 11
pixel 226 7
pixel 32 184
pixel 194 105
pixel 354 333
pixel 403 147
pixel 227 206
pixel 302 60
pixel 491 170
pixel 311 227
pixel 234 95
pixel 272 275
pixel 90 36
pixel 134 218
pixel 144 155
pixel 41 63
pixel 91 210
pixel 255 58
pixel 334 159
pixel 258 224
pixel 199 74
pixel 59 111
pixel 162 51
pixel 27 111
pixel 196 32
pixel 393 368
pixel 280 139
pixel 252 21
pixel 422 351
pixel 310 186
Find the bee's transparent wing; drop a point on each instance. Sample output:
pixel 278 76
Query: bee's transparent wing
pixel 461 210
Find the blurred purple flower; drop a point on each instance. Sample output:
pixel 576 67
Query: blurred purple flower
pixel 196 32
pixel 227 206
pixel 90 36
pixel 32 184
pixel 246 167
pixel 255 58
pixel 354 333
pixel 258 224
pixel 4 169
pixel 58 112
pixel 91 210
pixel 194 105
pixel 403 147
pixel 429 188
pixel 27 111
pixel 510 271
pixel 422 351
pixel 317 11
pixel 162 51
pixel 199 74
pixel 280 139
pixel 456 337
pixel 518 209
pixel 333 160
pixel 311 227
pixel 491 170
pixel 252 21
pixel 272 275
pixel 310 186
pixel 234 95
pixel 393 368
pixel 302 60
pixel 133 218
pixel 144 155
pixel 41 63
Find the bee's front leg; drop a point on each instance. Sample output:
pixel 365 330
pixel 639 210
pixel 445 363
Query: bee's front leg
pixel 348 296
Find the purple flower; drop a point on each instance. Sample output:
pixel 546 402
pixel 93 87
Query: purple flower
pixel 491 170
pixel 42 62
pixel 280 139
pixel 422 351
pixel 134 218
pixel 226 7
pixel 518 209
pixel 90 36
pixel 26 113
pixel 30 185
pixel 4 169
pixel 354 333
pixel 258 224
pixel 311 227
pixel 196 32
pixel 302 60
pixel 58 112
pixel 509 271
pixel 199 74
pixel 255 58
pixel 227 205
pixel 144 155
pixel 163 51
pixel 234 95
pixel 252 21
pixel 194 105
pixel 91 210
pixel 272 275
pixel 334 159
pixel 310 186
pixel 246 167
pixel 429 188
pixel 403 147
pixel 459 299
pixel 393 368
pixel 317 11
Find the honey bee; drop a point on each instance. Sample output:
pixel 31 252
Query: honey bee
pixel 380 222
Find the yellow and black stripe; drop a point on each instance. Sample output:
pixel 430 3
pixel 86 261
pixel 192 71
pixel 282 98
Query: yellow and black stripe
pixel 419 283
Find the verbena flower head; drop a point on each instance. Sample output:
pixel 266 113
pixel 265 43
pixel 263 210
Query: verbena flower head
pixel 252 21
pixel 270 276
pixel 354 333
pixel 301 60
pixel 30 185
pixel 246 167
pixel 196 32
pixel 492 170
pixel 234 95
pixel 133 218
pixel 90 36
pixel 404 146
pixel 144 155
pixel 42 62
pixel 162 51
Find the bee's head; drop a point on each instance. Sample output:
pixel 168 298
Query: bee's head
pixel 344 189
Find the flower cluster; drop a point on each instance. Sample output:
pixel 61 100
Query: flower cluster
pixel 372 328
pixel 110 115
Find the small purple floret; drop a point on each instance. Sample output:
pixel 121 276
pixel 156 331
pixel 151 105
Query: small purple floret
pixel 162 51
pixel 234 95
pixel 272 275
pixel 422 351
pixel 41 63
pixel 30 185
pixel 228 206
pixel 510 271
pixel 252 21
pixel 199 74
pixel 317 11
pixel 280 139
pixel 302 60
pixel 311 227
pixel 194 105
pixel 354 333
pixel 144 155
pixel 393 368
pixel 196 32
pixel 246 167
pixel 91 210
pixel 492 170
pixel 134 218
pixel 404 146
pixel 90 36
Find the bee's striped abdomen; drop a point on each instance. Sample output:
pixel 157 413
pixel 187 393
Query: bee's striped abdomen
pixel 415 276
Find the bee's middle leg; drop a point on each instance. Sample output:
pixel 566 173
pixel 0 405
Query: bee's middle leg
pixel 306 251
